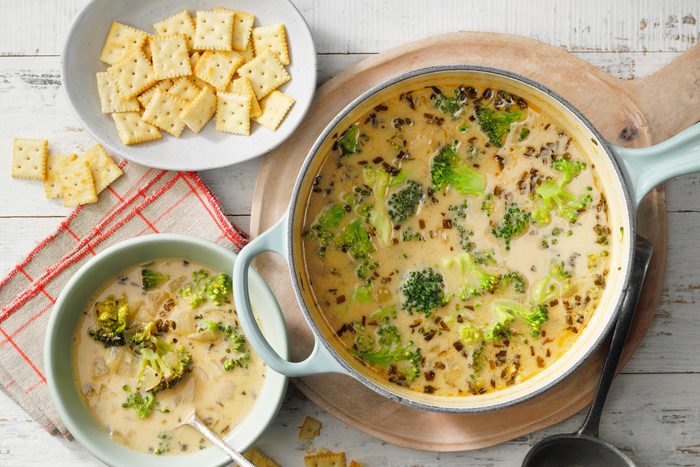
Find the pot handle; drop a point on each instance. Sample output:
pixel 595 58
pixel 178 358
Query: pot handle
pixel 320 360
pixel 644 168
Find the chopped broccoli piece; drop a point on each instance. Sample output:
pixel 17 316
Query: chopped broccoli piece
pixel 496 124
pixel 499 329
pixel 169 363
pixel 111 316
pixel 410 234
pixel 524 133
pixel 447 105
pixel 362 293
pixel 448 169
pixel 378 180
pixel 238 354
pixel 554 194
pixel 423 291
pixel 404 203
pixel 388 350
pixel 470 334
pixel 164 443
pixel 205 288
pixel 386 313
pixel 327 221
pixel 534 316
pixel 556 282
pixel 355 240
pixel 398 179
pixel 151 279
pixel 514 223
pixel 514 278
pixel 349 141
pixel 488 204
pixel 465 262
pixel 459 211
pixel 141 403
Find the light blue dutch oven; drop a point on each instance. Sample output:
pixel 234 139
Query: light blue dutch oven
pixel 626 174
pixel 68 310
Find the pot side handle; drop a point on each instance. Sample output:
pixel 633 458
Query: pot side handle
pixel 644 168
pixel 320 360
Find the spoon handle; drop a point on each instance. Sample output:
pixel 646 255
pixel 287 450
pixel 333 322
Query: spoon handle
pixel 642 257
pixel 211 436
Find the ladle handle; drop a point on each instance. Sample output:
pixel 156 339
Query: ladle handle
pixel 642 257
pixel 236 456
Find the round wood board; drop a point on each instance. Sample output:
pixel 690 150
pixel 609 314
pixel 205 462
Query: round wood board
pixel 628 113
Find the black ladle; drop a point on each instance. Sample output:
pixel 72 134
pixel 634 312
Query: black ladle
pixel 584 448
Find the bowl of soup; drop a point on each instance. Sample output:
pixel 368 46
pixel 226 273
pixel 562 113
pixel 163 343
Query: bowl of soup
pixel 147 331
pixel 460 238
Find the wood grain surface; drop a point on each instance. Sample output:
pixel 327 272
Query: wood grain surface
pixel 654 407
pixel 621 120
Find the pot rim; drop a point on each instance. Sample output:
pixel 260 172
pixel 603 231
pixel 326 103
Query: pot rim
pixel 313 153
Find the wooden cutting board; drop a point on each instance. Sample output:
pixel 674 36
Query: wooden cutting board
pixel 629 113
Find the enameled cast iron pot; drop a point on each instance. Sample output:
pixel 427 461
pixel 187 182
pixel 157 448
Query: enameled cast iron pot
pixel 626 176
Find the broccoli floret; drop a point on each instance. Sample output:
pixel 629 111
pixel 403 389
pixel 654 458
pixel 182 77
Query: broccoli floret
pixel 486 282
pixel 534 316
pixel 205 288
pixel 355 240
pixel 556 282
pixel 378 180
pixel 169 363
pixel 524 133
pixel 554 194
pixel 404 203
pixel 349 141
pixel 499 329
pixel 144 336
pixel 495 123
pixel 151 279
pixel 514 223
pixel 388 350
pixel 514 278
pixel 111 316
pixel 470 334
pixel 327 222
pixel 448 105
pixel 238 354
pixel 142 403
pixel 448 169
pixel 423 291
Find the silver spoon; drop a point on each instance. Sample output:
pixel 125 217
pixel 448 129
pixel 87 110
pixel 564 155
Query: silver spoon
pixel 584 448
pixel 186 414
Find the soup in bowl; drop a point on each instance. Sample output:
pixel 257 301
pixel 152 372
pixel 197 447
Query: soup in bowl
pixel 459 239
pixel 152 333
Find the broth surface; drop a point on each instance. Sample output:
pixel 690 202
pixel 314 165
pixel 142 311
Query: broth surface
pixel 106 375
pixel 456 240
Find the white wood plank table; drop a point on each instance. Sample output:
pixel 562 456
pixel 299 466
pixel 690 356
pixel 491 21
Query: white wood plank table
pixel 653 412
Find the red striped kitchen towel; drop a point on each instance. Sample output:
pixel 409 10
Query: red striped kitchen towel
pixel 143 201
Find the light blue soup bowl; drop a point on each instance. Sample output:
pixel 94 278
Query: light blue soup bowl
pixel 69 307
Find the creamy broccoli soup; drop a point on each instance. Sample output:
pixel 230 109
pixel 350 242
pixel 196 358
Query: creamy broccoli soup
pixel 456 239
pixel 146 337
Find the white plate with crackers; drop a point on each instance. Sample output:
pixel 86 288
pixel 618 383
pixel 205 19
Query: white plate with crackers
pixel 189 84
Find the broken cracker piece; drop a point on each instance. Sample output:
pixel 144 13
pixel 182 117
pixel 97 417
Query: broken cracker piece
pixel 309 429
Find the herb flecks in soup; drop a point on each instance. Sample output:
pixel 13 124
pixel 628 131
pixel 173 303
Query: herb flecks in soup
pixel 456 240
pixel 150 333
